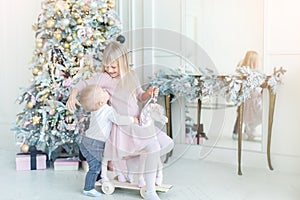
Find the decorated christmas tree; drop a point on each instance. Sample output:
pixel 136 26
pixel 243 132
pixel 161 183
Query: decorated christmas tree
pixel 70 36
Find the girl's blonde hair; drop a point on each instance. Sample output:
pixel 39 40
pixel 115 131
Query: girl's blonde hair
pixel 251 60
pixel 116 51
pixel 90 97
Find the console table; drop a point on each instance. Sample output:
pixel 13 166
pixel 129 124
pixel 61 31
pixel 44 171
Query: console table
pixel 272 98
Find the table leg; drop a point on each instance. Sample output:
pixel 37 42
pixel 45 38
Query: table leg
pixel 240 129
pixel 199 130
pixel 272 98
pixel 169 115
pixel 169 124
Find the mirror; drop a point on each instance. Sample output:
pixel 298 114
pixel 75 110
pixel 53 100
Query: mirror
pixel 226 30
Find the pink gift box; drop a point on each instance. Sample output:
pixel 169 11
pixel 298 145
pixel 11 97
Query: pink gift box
pixel 66 164
pixel 23 162
pixel 193 139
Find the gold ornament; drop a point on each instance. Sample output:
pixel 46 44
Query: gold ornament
pixel 80 55
pixel 111 22
pixel 35 27
pixel 88 43
pixel 51 67
pixel 25 148
pixel 30 105
pixel 96 16
pixel 74 34
pixel 103 10
pixel 111 4
pixel 50 23
pixel 66 45
pixel 69 38
pixel 59 13
pixel 36 119
pixel 79 21
pixel 102 39
pixel 44 97
pixel 57 36
pixel 76 15
pixel 39 43
pixel 35 71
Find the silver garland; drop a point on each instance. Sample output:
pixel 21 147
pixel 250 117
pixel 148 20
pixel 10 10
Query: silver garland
pixel 236 88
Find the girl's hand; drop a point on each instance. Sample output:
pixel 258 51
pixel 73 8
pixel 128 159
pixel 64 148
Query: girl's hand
pixel 153 92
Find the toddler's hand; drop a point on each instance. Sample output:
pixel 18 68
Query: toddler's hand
pixel 155 91
pixel 136 120
pixel 71 103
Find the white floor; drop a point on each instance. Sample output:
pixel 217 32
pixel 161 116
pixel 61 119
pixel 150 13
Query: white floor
pixel 191 180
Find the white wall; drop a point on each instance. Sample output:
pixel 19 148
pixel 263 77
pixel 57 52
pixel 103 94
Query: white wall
pixel 16 50
pixel 226 29
pixel 282 48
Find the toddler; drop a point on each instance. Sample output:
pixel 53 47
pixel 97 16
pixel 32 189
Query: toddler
pixel 94 99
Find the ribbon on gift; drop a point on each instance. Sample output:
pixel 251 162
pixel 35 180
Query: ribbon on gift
pixel 33 152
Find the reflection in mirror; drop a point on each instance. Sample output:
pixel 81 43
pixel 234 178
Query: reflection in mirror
pixel 226 30
pixel 211 110
pixel 252 116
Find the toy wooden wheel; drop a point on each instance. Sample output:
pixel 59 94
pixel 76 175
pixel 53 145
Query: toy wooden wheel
pixel 143 192
pixel 108 187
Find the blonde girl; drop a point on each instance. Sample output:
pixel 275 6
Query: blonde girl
pixel 125 91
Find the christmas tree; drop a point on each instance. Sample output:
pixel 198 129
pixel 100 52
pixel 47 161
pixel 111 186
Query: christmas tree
pixel 70 36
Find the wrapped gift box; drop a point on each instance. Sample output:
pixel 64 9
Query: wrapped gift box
pixel 66 164
pixel 30 162
pixel 193 139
